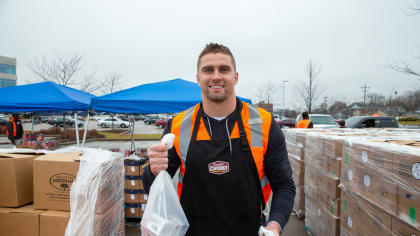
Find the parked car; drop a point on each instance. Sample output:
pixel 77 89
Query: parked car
pixel 161 123
pixel 371 122
pixel 58 122
pixel 139 117
pixel 150 120
pixel 287 123
pixel 3 121
pixel 123 117
pixel 105 123
pixel 320 120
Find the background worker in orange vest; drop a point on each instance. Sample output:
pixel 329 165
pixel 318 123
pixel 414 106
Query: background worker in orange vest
pixel 15 130
pixel 231 155
pixel 305 122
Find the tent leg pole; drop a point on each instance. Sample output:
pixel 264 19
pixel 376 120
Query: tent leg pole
pixel 32 121
pixel 86 129
pixel 132 121
pixel 77 128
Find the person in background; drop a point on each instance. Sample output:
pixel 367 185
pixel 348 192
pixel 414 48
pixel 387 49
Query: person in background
pixel 232 156
pixel 14 130
pixel 305 123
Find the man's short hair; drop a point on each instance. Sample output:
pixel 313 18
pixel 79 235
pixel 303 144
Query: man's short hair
pixel 216 48
pixel 305 115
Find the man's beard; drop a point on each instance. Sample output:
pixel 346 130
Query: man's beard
pixel 221 97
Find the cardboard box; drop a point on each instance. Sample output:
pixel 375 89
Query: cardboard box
pixel 133 183
pixel 134 210
pixel 332 147
pixel 364 156
pixel 361 217
pixel 16 182
pixel 135 196
pixel 299 205
pixel 407 166
pixel 53 223
pixel 53 177
pixel 372 185
pixel 298 168
pixel 296 150
pixel 318 179
pixel 409 206
pixel 132 167
pixel 23 221
pixel 320 222
pixel 400 228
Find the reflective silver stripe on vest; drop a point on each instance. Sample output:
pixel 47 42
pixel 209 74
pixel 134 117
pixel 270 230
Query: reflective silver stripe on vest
pixel 185 134
pixel 264 181
pixel 255 122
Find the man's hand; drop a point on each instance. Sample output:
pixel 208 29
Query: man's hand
pixel 274 226
pixel 158 156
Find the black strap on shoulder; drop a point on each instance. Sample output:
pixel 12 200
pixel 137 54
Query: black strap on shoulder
pixel 251 161
pixel 242 134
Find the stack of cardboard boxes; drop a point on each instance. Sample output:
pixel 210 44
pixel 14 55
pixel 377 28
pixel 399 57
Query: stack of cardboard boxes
pixel 135 196
pixel 295 143
pixel 20 185
pixel 360 182
pixel 322 192
pixel 381 187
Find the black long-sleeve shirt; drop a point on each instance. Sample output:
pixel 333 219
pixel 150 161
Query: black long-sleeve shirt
pixel 276 165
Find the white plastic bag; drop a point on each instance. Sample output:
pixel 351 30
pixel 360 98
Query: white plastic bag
pixel 163 215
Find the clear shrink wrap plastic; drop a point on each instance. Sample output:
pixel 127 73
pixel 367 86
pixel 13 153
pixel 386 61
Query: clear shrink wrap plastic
pixel 322 193
pixel 379 169
pixel 381 178
pixel 97 195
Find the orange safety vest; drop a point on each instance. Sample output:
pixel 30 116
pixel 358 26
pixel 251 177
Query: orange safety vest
pixel 14 127
pixel 257 123
pixel 303 124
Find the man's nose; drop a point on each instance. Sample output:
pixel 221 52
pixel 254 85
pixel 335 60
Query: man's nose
pixel 217 75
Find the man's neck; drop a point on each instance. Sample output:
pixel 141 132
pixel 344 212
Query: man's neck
pixel 219 109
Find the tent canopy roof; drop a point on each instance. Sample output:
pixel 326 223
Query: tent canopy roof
pixel 170 96
pixel 43 97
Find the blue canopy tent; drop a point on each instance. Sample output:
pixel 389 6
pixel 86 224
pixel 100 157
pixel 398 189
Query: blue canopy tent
pixel 45 97
pixel 170 96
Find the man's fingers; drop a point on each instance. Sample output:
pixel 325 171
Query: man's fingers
pixel 158 161
pixel 155 169
pixel 159 147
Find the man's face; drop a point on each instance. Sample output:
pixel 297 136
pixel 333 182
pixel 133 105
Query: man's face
pixel 217 77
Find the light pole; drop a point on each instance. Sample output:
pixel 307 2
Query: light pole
pixel 284 86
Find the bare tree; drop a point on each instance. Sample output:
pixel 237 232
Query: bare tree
pixel 62 70
pixel 310 89
pixel 112 83
pixel 90 84
pixel 405 68
pixel 266 92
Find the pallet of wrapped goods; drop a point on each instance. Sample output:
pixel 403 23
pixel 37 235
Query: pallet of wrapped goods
pixel 387 173
pixel 97 195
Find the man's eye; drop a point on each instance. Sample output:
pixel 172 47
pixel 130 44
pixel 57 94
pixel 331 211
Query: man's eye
pixel 207 70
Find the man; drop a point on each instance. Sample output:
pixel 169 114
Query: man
pixel 305 122
pixel 231 156
pixel 14 130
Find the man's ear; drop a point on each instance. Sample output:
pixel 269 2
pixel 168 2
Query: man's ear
pixel 197 78
pixel 236 78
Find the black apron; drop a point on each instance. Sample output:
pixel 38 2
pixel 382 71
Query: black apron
pixel 221 192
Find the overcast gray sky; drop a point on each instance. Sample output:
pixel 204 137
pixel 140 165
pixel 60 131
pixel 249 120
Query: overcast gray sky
pixel 151 41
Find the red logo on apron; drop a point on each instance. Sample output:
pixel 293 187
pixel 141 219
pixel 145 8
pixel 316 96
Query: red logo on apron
pixel 219 167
